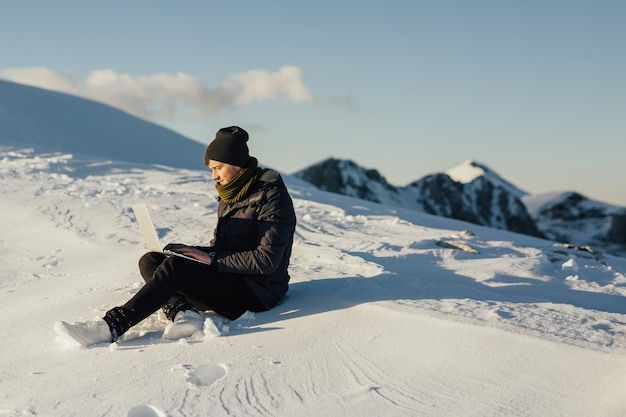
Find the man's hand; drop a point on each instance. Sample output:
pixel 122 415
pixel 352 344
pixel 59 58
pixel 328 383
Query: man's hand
pixel 189 251
pixel 174 247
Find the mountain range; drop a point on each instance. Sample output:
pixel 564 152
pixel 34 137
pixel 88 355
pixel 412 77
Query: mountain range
pixel 52 121
pixel 474 193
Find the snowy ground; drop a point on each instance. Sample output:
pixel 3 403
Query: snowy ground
pixel 387 315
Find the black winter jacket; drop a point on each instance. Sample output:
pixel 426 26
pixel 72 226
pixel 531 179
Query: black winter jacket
pixel 254 237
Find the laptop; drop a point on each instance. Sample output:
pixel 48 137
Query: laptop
pixel 149 234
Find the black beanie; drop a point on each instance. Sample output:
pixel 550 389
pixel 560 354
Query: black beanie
pixel 229 146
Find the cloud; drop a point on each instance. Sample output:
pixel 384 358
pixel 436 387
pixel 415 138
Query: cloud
pixel 166 96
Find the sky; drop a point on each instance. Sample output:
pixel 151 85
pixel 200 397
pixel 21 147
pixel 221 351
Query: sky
pixel 535 90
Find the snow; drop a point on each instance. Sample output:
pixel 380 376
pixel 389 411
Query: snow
pixel 465 172
pixel 535 202
pixel 387 314
pixel 470 170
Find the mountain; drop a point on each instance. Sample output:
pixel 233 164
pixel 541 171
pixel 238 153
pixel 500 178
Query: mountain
pixel 572 217
pixel 488 201
pixel 347 178
pixel 48 120
pixel 470 170
pixel 474 193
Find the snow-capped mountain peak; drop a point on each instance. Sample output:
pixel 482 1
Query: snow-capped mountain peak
pixel 466 172
pixel 470 170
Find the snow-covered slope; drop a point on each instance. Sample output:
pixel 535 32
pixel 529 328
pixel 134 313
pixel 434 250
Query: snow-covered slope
pixel 52 121
pixel 391 312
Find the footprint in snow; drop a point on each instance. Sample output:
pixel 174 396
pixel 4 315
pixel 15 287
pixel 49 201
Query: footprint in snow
pixel 145 411
pixel 207 374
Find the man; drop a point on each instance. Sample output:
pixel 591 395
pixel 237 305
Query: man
pixel 244 269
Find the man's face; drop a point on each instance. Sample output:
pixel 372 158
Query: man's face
pixel 223 173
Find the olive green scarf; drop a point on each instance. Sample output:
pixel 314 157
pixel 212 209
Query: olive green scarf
pixel 236 189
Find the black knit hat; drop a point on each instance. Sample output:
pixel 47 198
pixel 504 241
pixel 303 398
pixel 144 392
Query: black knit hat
pixel 229 146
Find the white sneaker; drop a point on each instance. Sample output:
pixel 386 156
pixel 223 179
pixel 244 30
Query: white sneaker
pixel 185 324
pixel 84 333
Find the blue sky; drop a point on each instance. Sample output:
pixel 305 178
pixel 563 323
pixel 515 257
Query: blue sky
pixel 535 90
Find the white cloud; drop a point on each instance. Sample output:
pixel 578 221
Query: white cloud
pixel 252 86
pixel 41 77
pixel 166 95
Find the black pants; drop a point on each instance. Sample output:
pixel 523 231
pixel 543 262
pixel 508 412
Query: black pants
pixel 170 279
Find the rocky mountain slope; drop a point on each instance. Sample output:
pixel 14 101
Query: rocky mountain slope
pixel 472 192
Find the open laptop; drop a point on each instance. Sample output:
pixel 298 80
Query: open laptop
pixel 149 234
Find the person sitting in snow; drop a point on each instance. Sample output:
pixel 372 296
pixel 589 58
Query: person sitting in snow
pixel 245 265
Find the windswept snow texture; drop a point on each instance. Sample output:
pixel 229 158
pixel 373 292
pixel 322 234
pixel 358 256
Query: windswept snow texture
pixel 387 315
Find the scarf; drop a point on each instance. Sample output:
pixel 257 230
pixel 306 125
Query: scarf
pixel 236 189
